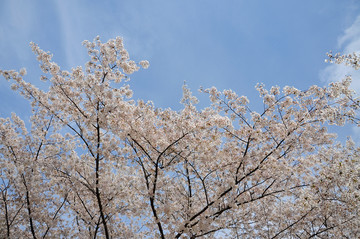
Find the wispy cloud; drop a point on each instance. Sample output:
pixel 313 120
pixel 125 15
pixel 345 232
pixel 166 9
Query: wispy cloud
pixel 80 22
pixel 16 23
pixel 348 42
pixel 70 31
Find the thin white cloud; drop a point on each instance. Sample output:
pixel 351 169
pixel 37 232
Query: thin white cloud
pixel 16 28
pixel 349 42
pixel 351 36
pixel 78 24
pixel 71 32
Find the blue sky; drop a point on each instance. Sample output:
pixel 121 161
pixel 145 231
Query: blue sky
pixel 228 44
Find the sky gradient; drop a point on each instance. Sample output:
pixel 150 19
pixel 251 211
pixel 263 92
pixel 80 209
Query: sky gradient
pixel 228 44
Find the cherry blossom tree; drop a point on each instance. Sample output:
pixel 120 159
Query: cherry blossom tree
pixel 96 163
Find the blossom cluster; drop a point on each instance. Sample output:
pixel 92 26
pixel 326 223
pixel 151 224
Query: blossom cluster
pixel 351 59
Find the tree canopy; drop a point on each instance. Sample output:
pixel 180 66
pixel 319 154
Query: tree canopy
pixel 96 163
